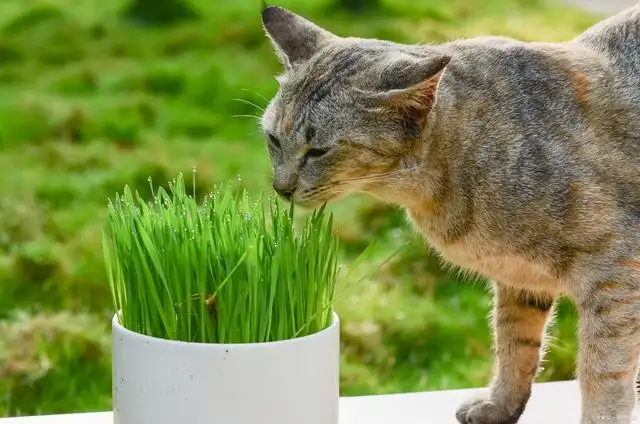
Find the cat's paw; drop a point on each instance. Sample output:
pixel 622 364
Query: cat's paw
pixel 480 411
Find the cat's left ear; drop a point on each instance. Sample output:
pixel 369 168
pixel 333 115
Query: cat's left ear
pixel 411 86
pixel 294 38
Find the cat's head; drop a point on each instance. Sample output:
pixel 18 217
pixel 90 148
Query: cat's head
pixel 348 111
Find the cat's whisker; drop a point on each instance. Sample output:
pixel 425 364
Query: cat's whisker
pixel 247 116
pixel 256 93
pixel 247 102
pixel 365 179
pixel 316 193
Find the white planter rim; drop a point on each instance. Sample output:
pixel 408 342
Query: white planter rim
pixel 116 325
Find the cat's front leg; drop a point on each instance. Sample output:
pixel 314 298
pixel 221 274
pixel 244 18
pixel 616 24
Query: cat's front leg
pixel 519 320
pixel 609 348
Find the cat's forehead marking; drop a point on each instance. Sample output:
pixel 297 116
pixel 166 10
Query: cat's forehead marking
pixel 287 126
pixel 293 117
pixel 282 122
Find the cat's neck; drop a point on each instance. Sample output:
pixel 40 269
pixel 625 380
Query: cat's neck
pixel 412 184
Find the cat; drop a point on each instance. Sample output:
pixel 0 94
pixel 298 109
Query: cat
pixel 517 161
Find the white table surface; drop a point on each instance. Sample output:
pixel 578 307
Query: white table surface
pixel 550 403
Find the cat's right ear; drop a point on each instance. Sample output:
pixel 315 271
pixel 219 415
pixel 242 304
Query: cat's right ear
pixel 411 86
pixel 294 38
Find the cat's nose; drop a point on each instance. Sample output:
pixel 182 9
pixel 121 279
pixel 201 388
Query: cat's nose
pixel 284 183
pixel 287 194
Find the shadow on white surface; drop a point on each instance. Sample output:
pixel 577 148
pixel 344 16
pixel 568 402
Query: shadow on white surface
pixel 410 408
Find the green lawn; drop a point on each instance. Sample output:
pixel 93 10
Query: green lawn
pixel 90 102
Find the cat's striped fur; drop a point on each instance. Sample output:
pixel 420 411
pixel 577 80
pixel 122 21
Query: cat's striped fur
pixel 517 161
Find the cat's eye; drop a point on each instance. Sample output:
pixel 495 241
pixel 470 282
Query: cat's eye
pixel 274 141
pixel 316 153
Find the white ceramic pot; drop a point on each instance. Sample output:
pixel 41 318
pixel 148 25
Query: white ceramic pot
pixel 157 381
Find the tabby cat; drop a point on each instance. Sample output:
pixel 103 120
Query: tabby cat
pixel 516 161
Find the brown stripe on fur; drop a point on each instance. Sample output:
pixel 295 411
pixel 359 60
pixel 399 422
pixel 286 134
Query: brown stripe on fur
pixel 609 285
pixel 288 124
pixel 599 244
pixel 608 306
pixel 529 342
pixel 632 264
pixel 581 85
pixel 541 303
pixel 620 375
pixel 618 329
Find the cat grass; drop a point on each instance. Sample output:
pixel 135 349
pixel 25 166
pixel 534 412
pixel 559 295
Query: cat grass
pixel 228 270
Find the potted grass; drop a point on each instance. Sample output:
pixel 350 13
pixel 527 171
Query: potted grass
pixel 223 310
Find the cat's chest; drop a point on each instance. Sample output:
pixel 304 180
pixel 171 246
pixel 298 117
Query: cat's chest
pixel 492 259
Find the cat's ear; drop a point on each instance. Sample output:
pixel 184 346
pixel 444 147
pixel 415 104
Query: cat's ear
pixel 294 38
pixel 411 86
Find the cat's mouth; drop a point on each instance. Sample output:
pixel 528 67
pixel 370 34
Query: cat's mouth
pixel 313 198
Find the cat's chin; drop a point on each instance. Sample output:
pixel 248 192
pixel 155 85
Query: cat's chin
pixel 313 203
pixel 310 205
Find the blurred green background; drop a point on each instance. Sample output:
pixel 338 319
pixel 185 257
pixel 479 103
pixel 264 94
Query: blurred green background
pixel 96 94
